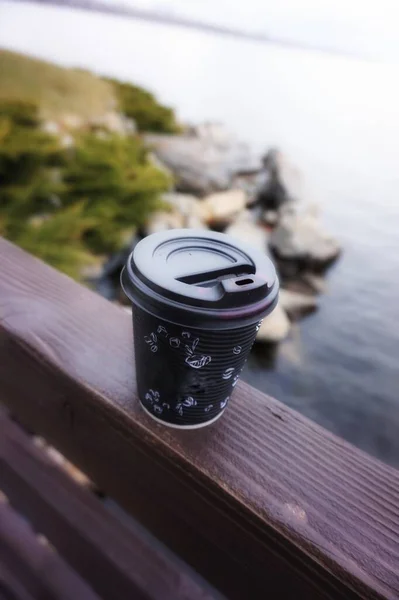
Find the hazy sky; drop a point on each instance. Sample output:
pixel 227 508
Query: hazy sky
pixel 366 26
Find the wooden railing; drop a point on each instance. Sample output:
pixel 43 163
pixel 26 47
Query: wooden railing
pixel 263 504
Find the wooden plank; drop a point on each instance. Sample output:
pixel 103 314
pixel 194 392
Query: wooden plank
pixel 263 500
pixel 11 588
pixel 118 562
pixel 37 568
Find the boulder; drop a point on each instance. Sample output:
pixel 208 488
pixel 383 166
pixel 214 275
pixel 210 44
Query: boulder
pixel 297 305
pixel 304 282
pixel 184 211
pixel 251 183
pixel 315 283
pixel 222 208
pixel 270 217
pixel 194 222
pixel 185 204
pixel 245 230
pixel 302 238
pixel 275 327
pixel 283 181
pixel 204 159
pixel 93 270
pixel 162 220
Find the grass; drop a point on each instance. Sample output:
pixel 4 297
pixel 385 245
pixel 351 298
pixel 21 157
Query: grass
pixel 56 90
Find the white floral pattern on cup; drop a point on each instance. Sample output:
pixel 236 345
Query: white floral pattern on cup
pixel 174 342
pixel 152 341
pixel 188 402
pixel 196 361
pixel 224 402
pixel 152 396
pixel 227 374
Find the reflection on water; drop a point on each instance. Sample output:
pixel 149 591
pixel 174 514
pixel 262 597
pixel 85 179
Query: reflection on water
pixel 339 122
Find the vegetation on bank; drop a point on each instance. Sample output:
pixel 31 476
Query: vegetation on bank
pixel 55 90
pixel 140 105
pixel 58 91
pixel 71 196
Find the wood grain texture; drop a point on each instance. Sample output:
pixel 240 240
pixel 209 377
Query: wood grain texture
pixel 37 570
pixel 117 562
pixel 262 502
pixel 10 587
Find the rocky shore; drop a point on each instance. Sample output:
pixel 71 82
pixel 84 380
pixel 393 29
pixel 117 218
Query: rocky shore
pixel 93 164
pixel 220 185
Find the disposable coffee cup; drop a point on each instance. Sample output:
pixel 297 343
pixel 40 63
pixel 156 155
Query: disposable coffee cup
pixel 198 300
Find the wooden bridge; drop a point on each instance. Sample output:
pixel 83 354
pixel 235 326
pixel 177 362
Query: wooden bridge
pixel 263 504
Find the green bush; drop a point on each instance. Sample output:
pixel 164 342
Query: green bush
pixel 140 105
pixel 118 185
pixel 28 157
pixel 58 239
pixel 66 204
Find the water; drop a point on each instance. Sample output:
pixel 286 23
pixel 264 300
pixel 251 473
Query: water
pixel 337 119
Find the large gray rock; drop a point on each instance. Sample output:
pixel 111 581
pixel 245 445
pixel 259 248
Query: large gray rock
pixel 161 221
pixel 270 217
pixel 302 237
pixel 204 159
pixel 221 208
pixel 188 207
pixel 185 204
pixel 316 284
pixel 246 230
pixel 283 182
pixel 252 183
pixel 182 210
pixel 296 305
pixel 275 327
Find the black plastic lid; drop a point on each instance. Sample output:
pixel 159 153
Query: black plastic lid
pixel 200 278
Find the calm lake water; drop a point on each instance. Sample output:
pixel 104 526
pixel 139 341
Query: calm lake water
pixel 338 120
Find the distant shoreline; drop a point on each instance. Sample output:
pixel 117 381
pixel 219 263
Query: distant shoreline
pixel 176 20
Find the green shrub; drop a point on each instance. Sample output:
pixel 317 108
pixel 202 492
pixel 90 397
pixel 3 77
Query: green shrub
pixel 58 239
pixel 140 105
pixel 118 185
pixel 65 205
pixel 27 159
pixel 20 112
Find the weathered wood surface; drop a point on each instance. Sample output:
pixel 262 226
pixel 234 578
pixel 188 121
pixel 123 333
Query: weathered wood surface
pixel 10 587
pixel 119 563
pixel 31 568
pixel 262 503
